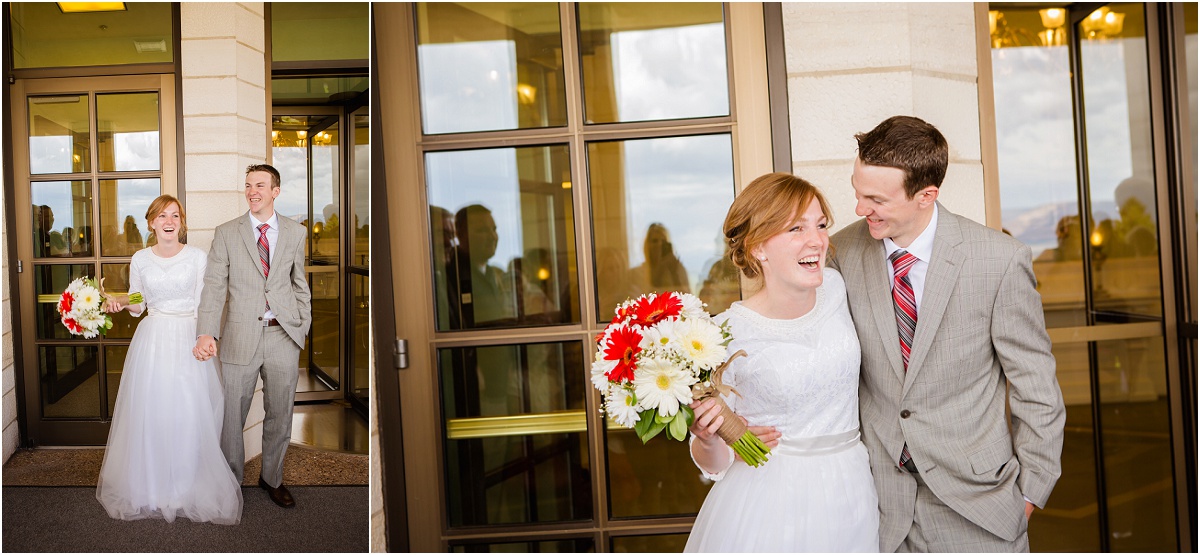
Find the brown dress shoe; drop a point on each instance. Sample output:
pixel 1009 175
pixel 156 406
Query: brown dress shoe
pixel 280 495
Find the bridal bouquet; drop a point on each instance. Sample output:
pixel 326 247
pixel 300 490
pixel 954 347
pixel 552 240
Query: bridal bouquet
pixel 82 310
pixel 659 353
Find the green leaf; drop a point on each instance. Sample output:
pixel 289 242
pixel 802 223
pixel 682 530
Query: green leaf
pixel 653 431
pixel 678 428
pixel 690 414
pixel 642 427
pixel 660 419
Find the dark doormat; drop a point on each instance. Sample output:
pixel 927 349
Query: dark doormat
pixel 69 519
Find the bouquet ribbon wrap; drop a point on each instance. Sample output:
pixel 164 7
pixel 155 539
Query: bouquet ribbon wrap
pixel 733 430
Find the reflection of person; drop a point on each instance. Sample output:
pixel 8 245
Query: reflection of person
pixel 799 382
pixel 445 276
pixel 1068 233
pixel 490 289
pixel 48 241
pixel 950 471
pixel 133 235
pixel 721 286
pixel 163 458
pixel 662 271
pixel 256 277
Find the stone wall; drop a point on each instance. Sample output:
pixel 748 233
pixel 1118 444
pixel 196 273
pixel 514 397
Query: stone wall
pixel 853 65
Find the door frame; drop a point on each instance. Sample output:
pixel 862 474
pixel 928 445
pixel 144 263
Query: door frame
pixel 68 431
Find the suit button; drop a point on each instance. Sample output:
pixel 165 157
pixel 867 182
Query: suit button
pixel 903 414
pixel 260 319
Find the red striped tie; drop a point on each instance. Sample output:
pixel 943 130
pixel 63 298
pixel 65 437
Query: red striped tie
pixel 264 250
pixel 906 313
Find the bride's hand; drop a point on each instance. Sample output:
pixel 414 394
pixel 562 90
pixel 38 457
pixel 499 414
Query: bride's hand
pixel 708 420
pixel 114 304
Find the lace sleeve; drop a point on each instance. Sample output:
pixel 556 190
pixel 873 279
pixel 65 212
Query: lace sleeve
pixel 135 284
pixel 716 477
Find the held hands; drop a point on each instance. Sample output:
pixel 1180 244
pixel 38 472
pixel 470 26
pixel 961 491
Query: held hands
pixel 206 348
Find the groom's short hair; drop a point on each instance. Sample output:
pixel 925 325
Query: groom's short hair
pixel 265 168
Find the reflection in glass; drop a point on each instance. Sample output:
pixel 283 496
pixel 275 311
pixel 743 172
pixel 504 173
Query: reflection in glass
pixel 657 210
pixel 289 149
pixel 127 131
pixel 123 205
pixel 1136 434
pixel 580 545
pixel 59 134
pixel 324 339
pixel 1070 521
pixel 114 368
pixel 49 281
pixel 116 281
pixel 486 66
pixel 326 191
pixel 62 218
pixel 684 75
pixel 1036 149
pixel 43 36
pixel 503 233
pixel 360 334
pixel 1120 157
pixel 538 473
pixel 360 191
pixel 70 383
pixel 310 31
pixel 662 543
pixel 317 91
pixel 651 479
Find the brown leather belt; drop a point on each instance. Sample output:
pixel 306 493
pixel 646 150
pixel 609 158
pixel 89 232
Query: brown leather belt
pixel 270 322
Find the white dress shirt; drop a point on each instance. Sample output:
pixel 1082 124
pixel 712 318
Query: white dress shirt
pixel 272 240
pixel 922 248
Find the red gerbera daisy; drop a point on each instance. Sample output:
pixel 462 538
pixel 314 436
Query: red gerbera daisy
pixel 648 311
pixel 64 303
pixel 623 348
pixel 72 325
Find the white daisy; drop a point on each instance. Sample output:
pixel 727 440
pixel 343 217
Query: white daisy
pixel 600 369
pixel 660 336
pixel 700 342
pixel 87 298
pixel 660 384
pixel 622 407
pixel 693 307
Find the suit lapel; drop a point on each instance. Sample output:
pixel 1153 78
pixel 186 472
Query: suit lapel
pixel 876 272
pixel 250 239
pixel 939 284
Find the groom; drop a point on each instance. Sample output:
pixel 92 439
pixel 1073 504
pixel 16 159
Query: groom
pixel 951 328
pixel 256 276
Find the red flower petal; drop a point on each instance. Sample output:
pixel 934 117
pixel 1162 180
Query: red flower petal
pixel 650 311
pixel 623 348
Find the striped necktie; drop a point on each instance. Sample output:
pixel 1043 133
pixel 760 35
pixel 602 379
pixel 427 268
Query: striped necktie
pixel 906 313
pixel 264 250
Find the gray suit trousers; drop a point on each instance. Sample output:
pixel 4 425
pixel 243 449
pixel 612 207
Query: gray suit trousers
pixel 275 359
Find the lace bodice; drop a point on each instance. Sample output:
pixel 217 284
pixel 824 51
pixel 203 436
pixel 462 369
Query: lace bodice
pixel 801 375
pixel 170 286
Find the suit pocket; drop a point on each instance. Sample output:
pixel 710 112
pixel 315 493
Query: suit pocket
pixel 993 458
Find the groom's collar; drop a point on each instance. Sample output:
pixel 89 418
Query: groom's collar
pixel 922 246
pixel 273 221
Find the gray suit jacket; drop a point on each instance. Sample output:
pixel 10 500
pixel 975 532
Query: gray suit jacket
pixel 980 327
pixel 234 283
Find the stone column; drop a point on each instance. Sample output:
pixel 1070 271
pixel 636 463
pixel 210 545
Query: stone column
pixel 8 381
pixel 853 65
pixel 225 125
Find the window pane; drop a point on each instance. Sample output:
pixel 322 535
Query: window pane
pixel 317 91
pixel 503 232
pixel 49 282
pixel 662 543
pixel 1120 157
pixel 325 338
pixel 326 192
pixel 123 205
pixel 580 545
pixel 116 281
pixel 1036 146
pixel 361 352
pixel 657 210
pixel 685 75
pixel 307 31
pixel 651 479
pixel 70 382
pixel 127 131
pixel 43 36
pixel 62 218
pixel 59 134
pixel 516 434
pixel 1070 521
pixel 361 192
pixel 289 149
pixel 1136 431
pixel 490 65
pixel 114 368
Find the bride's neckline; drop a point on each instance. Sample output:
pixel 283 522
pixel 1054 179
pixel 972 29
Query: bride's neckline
pixel 752 314
pixel 156 255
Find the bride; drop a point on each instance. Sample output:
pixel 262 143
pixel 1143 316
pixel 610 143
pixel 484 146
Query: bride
pixel 798 384
pixel 163 458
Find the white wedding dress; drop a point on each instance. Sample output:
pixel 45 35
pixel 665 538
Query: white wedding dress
pixel 815 492
pixel 163 458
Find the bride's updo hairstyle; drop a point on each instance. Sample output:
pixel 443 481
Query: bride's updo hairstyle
pixel 764 209
pixel 156 207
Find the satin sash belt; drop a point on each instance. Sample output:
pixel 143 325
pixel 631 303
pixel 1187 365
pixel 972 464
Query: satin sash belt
pixel 819 445
pixel 170 313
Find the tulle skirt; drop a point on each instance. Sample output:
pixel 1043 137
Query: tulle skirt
pixel 814 501
pixel 164 458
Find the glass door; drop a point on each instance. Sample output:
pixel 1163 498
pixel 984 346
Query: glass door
pixel 89 154
pixel 358 256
